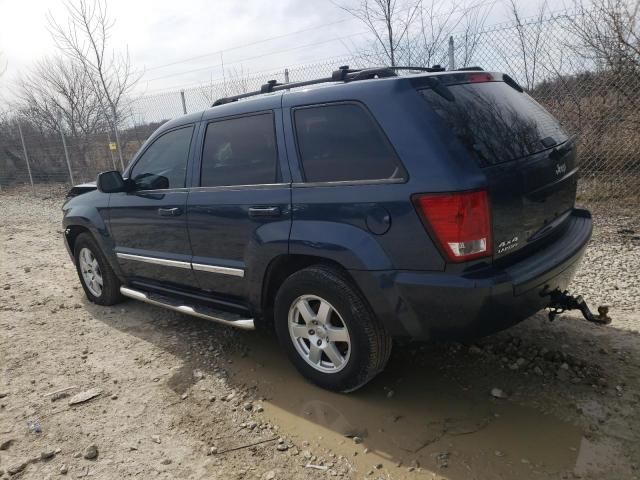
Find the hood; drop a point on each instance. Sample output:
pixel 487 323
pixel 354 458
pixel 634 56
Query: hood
pixel 81 188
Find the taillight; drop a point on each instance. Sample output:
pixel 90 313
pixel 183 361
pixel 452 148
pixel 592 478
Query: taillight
pixel 461 222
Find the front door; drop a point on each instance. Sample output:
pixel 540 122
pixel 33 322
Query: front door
pixel 149 224
pixel 240 212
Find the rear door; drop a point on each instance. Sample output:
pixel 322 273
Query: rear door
pixel 528 159
pixel 149 224
pixel 350 191
pixel 240 206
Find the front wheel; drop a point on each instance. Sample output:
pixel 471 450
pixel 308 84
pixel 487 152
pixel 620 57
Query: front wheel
pixel 100 283
pixel 328 330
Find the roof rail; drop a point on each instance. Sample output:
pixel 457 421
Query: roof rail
pixel 343 74
pixel 435 68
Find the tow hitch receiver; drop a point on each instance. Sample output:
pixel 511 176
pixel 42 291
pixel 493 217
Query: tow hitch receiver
pixel 563 301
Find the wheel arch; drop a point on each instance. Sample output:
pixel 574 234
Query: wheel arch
pixel 282 267
pixel 71 233
pixel 86 220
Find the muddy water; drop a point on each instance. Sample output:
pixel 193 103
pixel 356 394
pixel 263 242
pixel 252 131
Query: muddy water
pixel 426 414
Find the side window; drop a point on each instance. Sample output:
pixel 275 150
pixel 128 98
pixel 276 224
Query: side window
pixel 342 142
pixel 240 151
pixel 164 164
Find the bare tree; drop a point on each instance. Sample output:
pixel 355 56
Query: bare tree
pixel 435 27
pixel 608 32
pixel 530 43
pixel 608 39
pixel 416 32
pixel 388 21
pixel 57 94
pixel 84 37
pixel 472 25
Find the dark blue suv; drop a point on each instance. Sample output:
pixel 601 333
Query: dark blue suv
pixel 372 205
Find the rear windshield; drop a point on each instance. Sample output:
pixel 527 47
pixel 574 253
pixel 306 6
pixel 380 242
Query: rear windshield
pixel 495 121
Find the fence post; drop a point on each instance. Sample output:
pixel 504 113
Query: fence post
pixel 64 145
pixel 113 160
pixel 26 155
pixel 184 102
pixel 452 63
pixel 286 75
pixel 115 130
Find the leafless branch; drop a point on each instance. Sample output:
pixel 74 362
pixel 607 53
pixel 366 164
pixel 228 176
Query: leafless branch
pixel 390 23
pixel 58 90
pixel 84 37
pixel 530 44
pixel 608 32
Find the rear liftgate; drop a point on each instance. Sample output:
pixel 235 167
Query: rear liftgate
pixel 561 301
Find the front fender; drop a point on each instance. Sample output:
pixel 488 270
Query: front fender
pixel 91 218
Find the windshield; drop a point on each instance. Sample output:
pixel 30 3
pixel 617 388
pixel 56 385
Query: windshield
pixel 496 122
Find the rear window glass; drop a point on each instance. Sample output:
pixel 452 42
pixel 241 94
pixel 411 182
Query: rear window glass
pixel 496 122
pixel 342 142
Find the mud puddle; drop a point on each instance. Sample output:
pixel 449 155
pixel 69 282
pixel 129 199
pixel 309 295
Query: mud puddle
pixel 412 416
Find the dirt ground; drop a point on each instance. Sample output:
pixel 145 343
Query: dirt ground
pixel 182 398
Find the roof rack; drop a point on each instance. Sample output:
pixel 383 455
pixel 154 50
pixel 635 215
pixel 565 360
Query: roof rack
pixel 343 74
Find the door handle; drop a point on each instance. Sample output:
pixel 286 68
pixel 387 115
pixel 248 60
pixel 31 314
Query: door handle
pixel 169 212
pixel 264 212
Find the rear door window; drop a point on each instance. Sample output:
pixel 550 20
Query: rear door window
pixel 496 122
pixel 240 151
pixel 342 142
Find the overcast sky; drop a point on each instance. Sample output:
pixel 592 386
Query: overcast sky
pixel 160 32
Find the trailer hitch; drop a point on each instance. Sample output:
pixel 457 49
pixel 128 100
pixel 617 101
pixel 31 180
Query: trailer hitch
pixel 561 301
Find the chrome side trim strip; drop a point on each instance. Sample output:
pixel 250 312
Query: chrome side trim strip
pixel 155 261
pixel 244 323
pixel 236 272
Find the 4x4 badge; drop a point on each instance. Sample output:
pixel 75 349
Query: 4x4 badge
pixel 561 168
pixel 507 245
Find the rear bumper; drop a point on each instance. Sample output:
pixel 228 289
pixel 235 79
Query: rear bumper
pixel 448 306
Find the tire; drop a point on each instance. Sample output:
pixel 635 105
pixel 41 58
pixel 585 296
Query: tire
pixel 362 351
pixel 88 254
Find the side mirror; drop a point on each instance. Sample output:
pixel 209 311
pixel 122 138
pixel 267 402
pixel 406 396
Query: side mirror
pixel 111 182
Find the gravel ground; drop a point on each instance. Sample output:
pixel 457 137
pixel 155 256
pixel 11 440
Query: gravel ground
pixel 181 398
pixel 610 273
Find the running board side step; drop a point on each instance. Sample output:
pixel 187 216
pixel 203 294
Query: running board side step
pixel 200 311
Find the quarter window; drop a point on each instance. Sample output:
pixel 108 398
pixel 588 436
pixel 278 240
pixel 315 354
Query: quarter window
pixel 164 164
pixel 342 142
pixel 240 151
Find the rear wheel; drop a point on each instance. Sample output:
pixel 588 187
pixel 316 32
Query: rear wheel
pixel 328 329
pixel 100 283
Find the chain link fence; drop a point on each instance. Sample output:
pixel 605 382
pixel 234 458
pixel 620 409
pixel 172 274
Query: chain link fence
pixel 595 103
